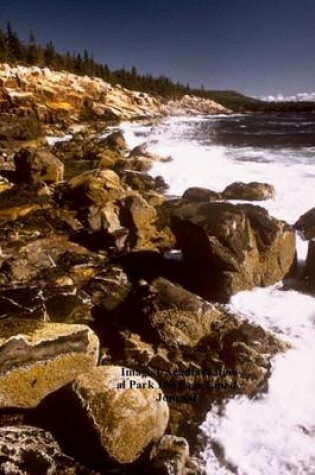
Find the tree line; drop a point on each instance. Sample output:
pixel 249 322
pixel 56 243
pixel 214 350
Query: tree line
pixel 15 51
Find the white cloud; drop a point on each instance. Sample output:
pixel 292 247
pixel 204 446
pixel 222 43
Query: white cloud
pixel 299 97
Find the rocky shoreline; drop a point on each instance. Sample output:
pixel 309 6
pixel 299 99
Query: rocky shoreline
pixel 114 335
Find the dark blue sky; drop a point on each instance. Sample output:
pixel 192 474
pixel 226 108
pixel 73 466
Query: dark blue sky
pixel 254 46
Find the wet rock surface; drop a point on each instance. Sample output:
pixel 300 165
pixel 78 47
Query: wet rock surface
pixel 305 225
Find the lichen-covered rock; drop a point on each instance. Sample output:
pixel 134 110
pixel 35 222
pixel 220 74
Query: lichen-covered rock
pixel 40 254
pixel 228 248
pixel 306 224
pixel 124 411
pixel 38 358
pixel 173 316
pixel 249 191
pixel 201 195
pixel 28 450
pixel 34 166
pixel 95 187
pixel 139 217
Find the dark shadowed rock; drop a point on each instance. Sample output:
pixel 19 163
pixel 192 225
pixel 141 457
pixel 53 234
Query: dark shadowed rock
pixel 140 151
pixel 115 141
pixel 109 287
pixel 201 195
pixel 20 200
pixel 228 248
pixel 32 451
pixel 21 302
pixel 170 456
pixel 143 182
pixel 306 224
pixel 68 308
pixel 310 264
pixel 249 191
pixel 306 282
pixel 34 166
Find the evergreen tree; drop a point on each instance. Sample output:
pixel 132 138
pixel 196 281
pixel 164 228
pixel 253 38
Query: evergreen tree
pixel 3 48
pixel 34 54
pixel 16 49
pixel 50 55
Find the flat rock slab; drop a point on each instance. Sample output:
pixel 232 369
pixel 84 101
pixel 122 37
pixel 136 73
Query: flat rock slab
pixel 124 411
pixel 38 358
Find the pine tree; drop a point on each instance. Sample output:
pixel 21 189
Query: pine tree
pixel 50 55
pixel 34 54
pixel 3 48
pixel 16 49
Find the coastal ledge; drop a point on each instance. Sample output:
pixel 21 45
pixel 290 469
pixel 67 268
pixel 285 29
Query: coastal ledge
pixel 65 98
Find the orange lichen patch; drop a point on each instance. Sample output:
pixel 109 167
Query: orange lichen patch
pixel 60 105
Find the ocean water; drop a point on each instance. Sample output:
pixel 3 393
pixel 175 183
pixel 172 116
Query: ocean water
pixel 273 433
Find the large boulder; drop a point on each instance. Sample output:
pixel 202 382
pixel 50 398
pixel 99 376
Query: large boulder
pixel 306 224
pixel 38 255
pixel 33 166
pixel 38 358
pixel 124 410
pixel 228 248
pixel 249 191
pixel 29 450
pixel 95 187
